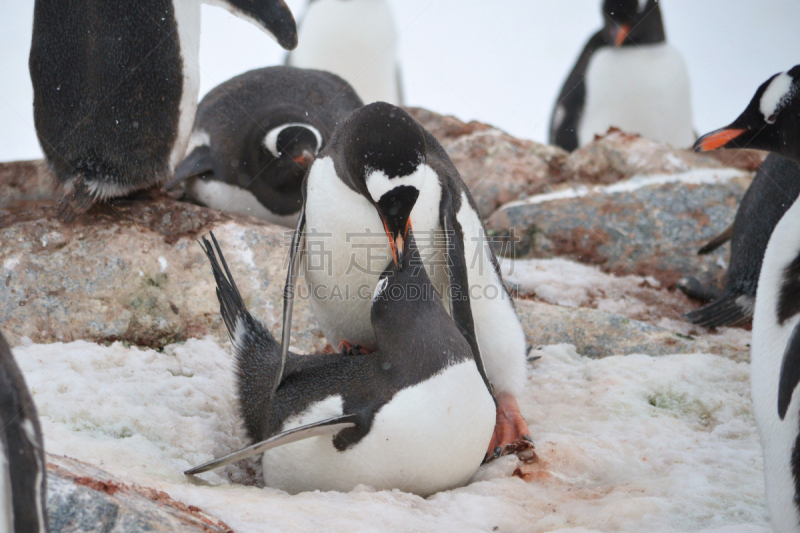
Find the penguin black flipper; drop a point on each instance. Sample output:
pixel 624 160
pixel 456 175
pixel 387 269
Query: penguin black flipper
pixel 730 309
pixel 22 473
pixel 199 162
pixel 317 429
pixel 790 372
pixel 566 115
pixel 295 258
pixel 717 241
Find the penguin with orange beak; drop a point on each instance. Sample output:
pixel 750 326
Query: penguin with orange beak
pixel 255 137
pixel 381 175
pixel 628 77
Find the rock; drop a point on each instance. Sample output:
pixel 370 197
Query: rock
pixel 82 498
pixel 646 226
pixel 599 334
pixel 26 184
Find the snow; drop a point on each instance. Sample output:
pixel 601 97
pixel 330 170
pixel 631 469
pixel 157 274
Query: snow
pixel 627 443
pixel 503 65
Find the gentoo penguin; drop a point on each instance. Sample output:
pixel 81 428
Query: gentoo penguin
pixel 115 88
pixel 380 175
pixel 415 415
pixel 629 77
pixel 22 463
pixel 255 136
pixel 356 39
pixel 772 122
pixel 774 189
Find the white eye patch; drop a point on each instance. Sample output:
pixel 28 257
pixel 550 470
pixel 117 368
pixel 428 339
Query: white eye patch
pixel 271 139
pixel 379 288
pixel 378 183
pixel 777 94
pixel 642 5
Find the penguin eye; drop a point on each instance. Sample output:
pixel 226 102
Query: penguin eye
pixel 772 118
pixel 293 137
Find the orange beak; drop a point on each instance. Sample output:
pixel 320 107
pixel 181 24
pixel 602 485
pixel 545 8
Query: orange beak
pixel 397 245
pixel 718 139
pixel 622 34
pixel 305 159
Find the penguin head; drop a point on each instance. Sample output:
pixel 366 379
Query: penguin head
pixel 401 285
pixel 384 152
pixel 631 22
pixel 290 149
pixel 771 120
pixel 272 16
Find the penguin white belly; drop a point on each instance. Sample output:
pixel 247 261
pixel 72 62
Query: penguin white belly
pixel 347 250
pixel 232 199
pixel 639 89
pixel 429 437
pixel 187 15
pixel 778 437
pixel 355 39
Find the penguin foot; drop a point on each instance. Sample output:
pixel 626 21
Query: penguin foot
pixel 511 433
pixel 345 348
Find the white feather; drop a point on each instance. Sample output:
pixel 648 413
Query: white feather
pixel 232 199
pixel 378 183
pixel 271 139
pixel 776 95
pixel 6 496
pixel 187 15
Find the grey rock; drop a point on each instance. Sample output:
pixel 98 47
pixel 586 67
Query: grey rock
pixel 651 229
pixel 82 498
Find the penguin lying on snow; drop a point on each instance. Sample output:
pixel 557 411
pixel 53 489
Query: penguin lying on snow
pixel 380 175
pixel 775 188
pixel 256 135
pixel 415 415
pixel 629 77
pixel 115 88
pixel 356 39
pixel 772 122
pixel 23 479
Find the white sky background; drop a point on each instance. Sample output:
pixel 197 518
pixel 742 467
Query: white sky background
pixel 500 61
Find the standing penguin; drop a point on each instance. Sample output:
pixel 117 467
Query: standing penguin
pixel 115 88
pixel 380 175
pixel 355 39
pixel 629 77
pixel 256 135
pixel 23 479
pixel 416 415
pixel 775 188
pixel 772 122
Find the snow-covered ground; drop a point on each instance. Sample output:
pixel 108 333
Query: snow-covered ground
pixel 501 62
pixel 633 443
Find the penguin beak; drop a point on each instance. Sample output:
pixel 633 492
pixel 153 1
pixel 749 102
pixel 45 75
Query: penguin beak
pixel 397 243
pixel 718 139
pixel 622 34
pixel 305 159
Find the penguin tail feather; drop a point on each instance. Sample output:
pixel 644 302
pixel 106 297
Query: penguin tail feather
pixel 256 351
pixel 730 309
pixel 77 200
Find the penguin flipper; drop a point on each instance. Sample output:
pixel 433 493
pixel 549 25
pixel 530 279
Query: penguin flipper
pixel 197 163
pixel 271 16
pixel 790 372
pixel 295 258
pixel 717 241
pixel 317 429
pixel 730 309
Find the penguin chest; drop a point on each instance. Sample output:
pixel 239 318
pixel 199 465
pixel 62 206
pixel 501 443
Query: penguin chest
pixel 769 344
pixel 429 437
pixel 641 89
pixel 347 249
pixel 232 199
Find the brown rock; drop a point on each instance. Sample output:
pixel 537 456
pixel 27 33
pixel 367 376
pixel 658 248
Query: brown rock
pixel 25 184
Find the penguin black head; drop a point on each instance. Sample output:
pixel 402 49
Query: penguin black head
pixel 402 285
pixel 771 120
pixel 632 22
pixel 385 159
pixel 272 16
pixel 289 149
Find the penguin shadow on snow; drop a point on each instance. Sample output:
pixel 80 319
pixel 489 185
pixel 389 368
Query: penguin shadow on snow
pixel 415 415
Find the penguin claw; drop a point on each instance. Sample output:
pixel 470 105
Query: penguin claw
pixel 511 433
pixel 345 348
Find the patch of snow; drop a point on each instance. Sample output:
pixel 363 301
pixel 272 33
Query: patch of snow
pixel 634 443
pixel 163 262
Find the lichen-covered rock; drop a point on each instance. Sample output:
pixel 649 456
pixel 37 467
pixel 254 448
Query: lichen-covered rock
pixel 25 184
pixel 85 499
pixel 646 226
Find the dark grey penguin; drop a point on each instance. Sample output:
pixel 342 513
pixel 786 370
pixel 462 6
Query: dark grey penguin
pixel 774 189
pixel 772 122
pixel 380 175
pixel 115 88
pixel 627 76
pixel 415 415
pixel 256 135
pixel 23 485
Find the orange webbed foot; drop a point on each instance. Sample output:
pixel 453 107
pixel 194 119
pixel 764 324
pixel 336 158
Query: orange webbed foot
pixel 511 433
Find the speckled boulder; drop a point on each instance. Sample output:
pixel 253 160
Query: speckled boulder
pixel 646 226
pixel 82 498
